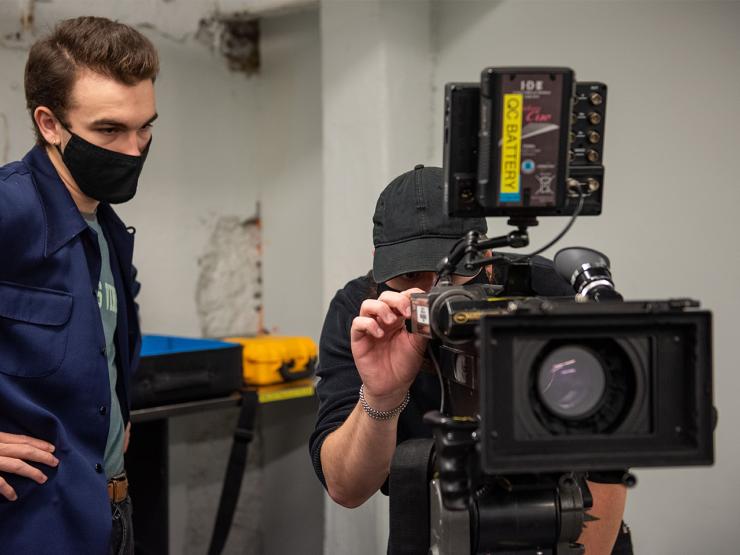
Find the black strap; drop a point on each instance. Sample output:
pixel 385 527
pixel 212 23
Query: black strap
pixel 623 545
pixel 234 472
pixel 409 497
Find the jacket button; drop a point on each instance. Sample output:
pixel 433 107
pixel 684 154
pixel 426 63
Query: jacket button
pixel 102 410
pixel 98 468
pixel 102 350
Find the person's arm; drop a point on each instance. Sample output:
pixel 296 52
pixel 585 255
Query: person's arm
pixel 15 450
pixel 356 457
pixel 126 436
pixel 598 536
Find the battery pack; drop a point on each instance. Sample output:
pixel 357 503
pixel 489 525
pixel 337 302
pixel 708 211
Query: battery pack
pixel 524 121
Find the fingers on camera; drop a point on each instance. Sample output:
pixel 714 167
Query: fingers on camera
pixel 367 325
pixel 398 302
pixel 384 313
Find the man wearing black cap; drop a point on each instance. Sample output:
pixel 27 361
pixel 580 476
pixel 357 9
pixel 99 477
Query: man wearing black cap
pixel 373 390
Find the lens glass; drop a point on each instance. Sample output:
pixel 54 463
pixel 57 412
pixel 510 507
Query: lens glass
pixel 571 382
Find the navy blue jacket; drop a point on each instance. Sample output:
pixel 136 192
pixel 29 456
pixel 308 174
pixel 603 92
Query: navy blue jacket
pixel 53 370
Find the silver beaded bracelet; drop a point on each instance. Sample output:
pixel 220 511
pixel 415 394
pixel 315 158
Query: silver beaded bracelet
pixel 382 414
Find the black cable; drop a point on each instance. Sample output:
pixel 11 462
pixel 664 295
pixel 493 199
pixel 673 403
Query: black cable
pixel 439 375
pixel 452 250
pixel 576 213
pixel 560 235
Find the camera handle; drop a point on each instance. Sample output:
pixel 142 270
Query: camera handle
pixel 454 440
pixel 471 246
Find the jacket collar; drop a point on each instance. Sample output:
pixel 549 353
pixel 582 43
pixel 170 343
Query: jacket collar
pixel 63 219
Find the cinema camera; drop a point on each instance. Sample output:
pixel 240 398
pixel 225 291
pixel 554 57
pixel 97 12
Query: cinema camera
pixel 540 393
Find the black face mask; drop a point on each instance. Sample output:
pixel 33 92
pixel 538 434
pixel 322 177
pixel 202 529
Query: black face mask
pixel 103 174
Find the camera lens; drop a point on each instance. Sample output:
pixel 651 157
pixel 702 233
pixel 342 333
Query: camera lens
pixel 571 382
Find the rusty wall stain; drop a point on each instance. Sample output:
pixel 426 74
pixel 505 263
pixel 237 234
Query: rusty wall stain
pixel 234 36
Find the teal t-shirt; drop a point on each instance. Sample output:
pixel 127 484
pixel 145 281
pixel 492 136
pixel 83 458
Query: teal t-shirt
pixel 108 304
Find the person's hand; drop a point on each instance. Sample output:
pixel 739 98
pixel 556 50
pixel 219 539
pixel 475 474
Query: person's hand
pixel 15 450
pixel 387 357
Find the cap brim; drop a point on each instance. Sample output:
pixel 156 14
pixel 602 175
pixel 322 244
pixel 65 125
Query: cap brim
pixel 417 255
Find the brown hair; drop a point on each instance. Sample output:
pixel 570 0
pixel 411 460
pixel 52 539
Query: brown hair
pixel 106 47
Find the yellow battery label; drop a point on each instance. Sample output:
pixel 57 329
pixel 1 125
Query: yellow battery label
pixel 511 148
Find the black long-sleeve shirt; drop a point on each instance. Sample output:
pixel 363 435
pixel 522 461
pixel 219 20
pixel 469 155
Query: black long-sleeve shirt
pixel 339 384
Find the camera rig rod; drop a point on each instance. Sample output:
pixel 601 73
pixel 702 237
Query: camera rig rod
pixel 471 246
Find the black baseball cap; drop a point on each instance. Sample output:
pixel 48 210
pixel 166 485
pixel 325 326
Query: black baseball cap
pixel 412 232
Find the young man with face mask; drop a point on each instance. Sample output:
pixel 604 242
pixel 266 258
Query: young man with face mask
pixel 69 332
pixel 373 390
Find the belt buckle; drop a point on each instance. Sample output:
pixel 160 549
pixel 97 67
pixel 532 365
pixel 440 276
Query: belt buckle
pixel 118 489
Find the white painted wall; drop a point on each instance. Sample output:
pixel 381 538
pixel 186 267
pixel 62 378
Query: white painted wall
pixel 377 108
pixel 178 18
pixel 377 102
pixel 199 170
pixel 287 167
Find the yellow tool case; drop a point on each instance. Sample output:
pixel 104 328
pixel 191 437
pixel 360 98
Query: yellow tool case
pixel 270 359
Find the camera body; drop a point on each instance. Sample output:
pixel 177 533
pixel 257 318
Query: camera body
pixel 541 394
pixel 581 386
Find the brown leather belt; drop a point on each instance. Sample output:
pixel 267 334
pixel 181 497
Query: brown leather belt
pixel 118 488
